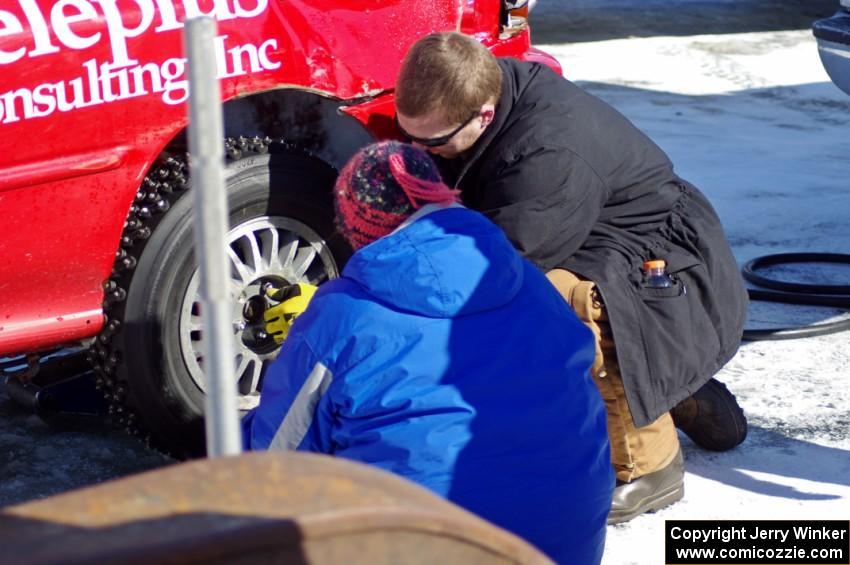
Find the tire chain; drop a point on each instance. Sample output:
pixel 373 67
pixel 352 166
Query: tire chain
pixel 164 184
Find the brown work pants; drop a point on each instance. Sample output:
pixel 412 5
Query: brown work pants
pixel 634 451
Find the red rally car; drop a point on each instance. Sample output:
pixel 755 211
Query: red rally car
pixel 95 225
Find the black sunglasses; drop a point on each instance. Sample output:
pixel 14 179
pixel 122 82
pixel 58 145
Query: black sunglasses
pixel 435 141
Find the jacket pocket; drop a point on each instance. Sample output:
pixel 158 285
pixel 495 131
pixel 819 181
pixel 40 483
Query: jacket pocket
pixel 680 341
pixel 652 293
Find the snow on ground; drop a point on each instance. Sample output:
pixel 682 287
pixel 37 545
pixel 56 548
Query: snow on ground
pixel 752 120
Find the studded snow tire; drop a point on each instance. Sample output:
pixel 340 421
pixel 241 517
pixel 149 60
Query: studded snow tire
pixel 148 356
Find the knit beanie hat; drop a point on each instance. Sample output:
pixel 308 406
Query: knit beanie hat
pixel 381 186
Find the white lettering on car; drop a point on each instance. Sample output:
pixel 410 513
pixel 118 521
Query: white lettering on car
pixel 103 82
pixel 10 25
pixel 264 56
pixel 78 25
pixel 62 23
pixel 118 33
pixel 38 27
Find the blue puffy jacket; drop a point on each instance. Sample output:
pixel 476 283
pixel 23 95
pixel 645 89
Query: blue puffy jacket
pixel 444 357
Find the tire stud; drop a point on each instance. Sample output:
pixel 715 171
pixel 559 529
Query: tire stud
pixel 129 262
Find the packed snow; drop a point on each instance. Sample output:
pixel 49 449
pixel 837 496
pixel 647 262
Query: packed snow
pixel 752 120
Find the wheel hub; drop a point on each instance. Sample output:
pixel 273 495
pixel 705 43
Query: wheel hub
pixel 262 251
pixel 253 309
pixel 251 325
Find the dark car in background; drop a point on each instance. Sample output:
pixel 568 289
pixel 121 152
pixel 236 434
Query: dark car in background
pixel 833 35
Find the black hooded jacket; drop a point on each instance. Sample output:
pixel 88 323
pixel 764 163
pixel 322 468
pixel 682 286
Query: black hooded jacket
pixel 576 186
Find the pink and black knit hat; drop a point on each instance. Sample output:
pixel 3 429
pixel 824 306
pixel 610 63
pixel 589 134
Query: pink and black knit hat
pixel 381 186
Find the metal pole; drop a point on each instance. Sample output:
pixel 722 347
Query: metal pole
pixel 206 150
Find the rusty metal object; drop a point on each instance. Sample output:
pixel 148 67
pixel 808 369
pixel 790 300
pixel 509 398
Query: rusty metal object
pixel 258 507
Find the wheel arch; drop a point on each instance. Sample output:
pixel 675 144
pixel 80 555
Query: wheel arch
pixel 308 121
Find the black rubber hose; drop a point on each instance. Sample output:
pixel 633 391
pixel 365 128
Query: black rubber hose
pixel 835 296
pixel 751 267
pixel 777 334
pixel 831 300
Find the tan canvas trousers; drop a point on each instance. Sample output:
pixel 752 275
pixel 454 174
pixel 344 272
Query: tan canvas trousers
pixel 634 451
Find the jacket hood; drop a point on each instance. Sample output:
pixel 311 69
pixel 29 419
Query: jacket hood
pixel 441 263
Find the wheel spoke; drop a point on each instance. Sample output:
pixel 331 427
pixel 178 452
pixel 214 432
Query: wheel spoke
pixel 251 251
pixel 248 371
pixel 256 370
pixel 195 324
pixel 269 240
pixel 242 362
pixel 239 268
pixel 287 254
pixel 302 261
pixel 261 250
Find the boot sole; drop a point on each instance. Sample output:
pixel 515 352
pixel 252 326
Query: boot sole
pixel 739 417
pixel 649 505
pixel 723 396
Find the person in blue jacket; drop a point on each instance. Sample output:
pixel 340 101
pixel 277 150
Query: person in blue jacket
pixel 443 356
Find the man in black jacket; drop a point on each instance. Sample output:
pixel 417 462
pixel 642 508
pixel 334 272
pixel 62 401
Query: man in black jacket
pixel 588 198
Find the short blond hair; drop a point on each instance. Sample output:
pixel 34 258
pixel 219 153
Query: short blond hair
pixel 448 72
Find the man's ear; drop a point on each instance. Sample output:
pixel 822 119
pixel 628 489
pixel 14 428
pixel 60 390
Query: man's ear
pixel 488 113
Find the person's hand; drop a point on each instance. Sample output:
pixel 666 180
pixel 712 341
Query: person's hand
pixel 293 300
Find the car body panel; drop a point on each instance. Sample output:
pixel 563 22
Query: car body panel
pixel 833 36
pixel 92 91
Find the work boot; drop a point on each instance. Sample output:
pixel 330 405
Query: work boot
pixel 648 493
pixel 711 417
